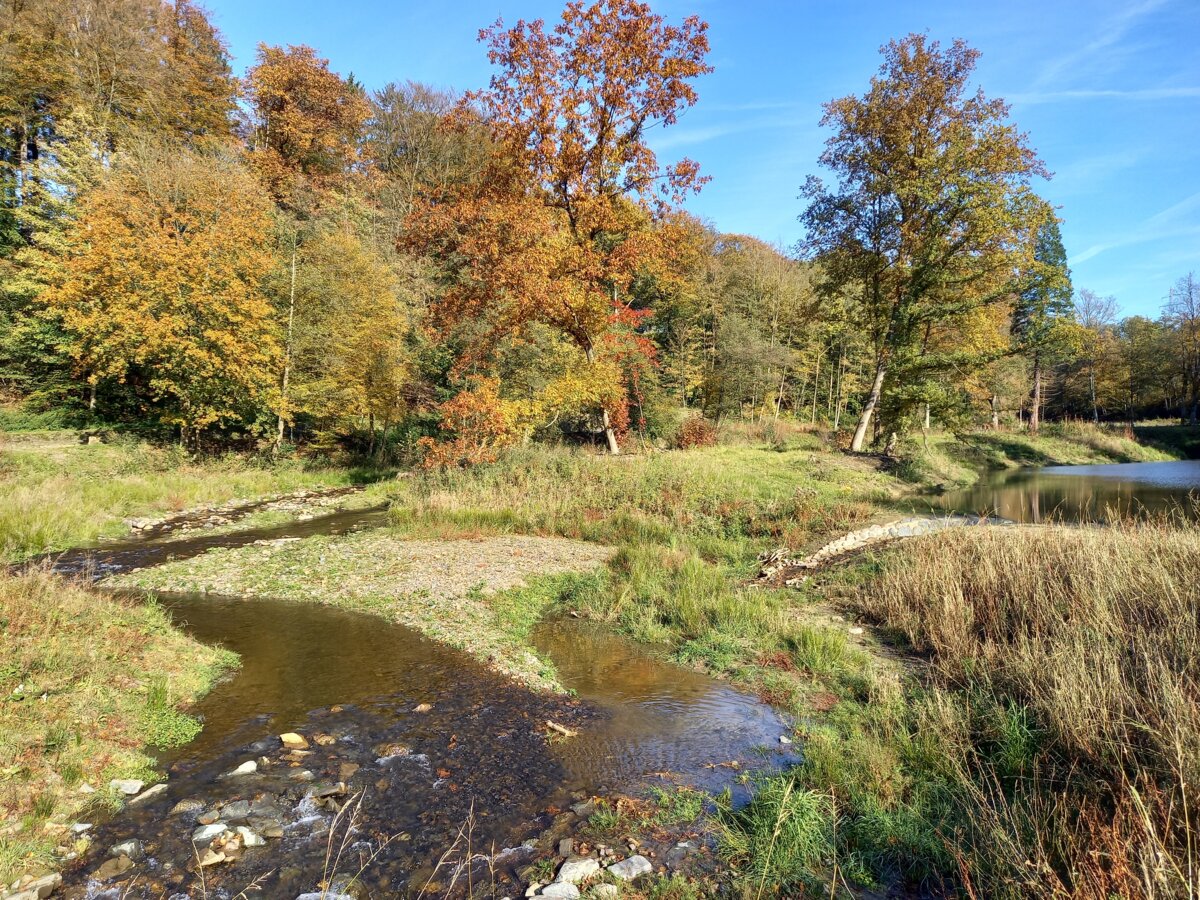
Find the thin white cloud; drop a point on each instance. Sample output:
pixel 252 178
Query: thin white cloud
pixel 1175 221
pixel 1110 34
pixel 1144 94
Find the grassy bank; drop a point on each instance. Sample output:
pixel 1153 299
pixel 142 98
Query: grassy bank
pixel 1050 744
pixel 60 493
pixel 960 459
pixel 86 682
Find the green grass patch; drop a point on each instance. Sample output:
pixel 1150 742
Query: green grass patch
pixel 86 680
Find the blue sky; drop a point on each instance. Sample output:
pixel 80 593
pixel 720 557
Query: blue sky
pixel 1109 92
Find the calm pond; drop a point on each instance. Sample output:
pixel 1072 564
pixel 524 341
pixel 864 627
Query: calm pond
pixel 1082 493
pixel 427 736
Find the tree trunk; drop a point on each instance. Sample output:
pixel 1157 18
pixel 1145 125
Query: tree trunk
pixel 837 401
pixel 926 415
pixel 816 386
pixel 287 354
pixel 609 434
pixel 995 413
pixel 864 421
pixel 1092 389
pixel 1035 412
pixel 613 447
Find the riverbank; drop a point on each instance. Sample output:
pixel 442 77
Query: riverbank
pixel 86 683
pixel 61 492
pixel 482 596
pixel 681 532
pixel 945 459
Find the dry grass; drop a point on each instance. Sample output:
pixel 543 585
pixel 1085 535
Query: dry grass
pixel 1067 697
pixel 86 681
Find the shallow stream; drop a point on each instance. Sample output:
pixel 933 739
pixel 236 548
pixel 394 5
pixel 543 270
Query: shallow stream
pixel 430 740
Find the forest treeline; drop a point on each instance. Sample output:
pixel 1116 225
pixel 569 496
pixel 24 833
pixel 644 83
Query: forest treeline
pixel 287 256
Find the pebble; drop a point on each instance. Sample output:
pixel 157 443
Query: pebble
pixel 629 869
pixel 127 786
pixel 211 858
pixel 784 739
pixel 150 793
pixel 423 707
pixel 247 768
pixel 856 630
pixel 206 833
pixel 293 741
pixel 133 849
pixel 113 867
pixel 577 869
pixel 189 805
pixel 250 838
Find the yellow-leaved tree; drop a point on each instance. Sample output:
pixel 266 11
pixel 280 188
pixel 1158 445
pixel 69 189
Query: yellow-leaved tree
pixel 161 287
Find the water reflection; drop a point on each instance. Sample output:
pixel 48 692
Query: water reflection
pixel 1083 493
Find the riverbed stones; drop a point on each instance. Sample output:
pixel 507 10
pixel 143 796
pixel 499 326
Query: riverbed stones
pixel 112 868
pixel 577 869
pixel 133 849
pixel 566 847
pixel 631 868
pixel 207 833
pixel 561 889
pixel 247 768
pixel 293 742
pixel 130 787
pixel 188 805
pixel 211 857
pixel 238 809
pixel 251 838
pixel 35 888
pixel 150 793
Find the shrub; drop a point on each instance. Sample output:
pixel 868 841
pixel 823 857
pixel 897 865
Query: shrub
pixel 696 431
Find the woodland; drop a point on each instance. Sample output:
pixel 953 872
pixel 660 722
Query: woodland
pixel 286 258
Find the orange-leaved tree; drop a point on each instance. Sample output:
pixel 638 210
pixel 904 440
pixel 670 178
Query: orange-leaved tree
pixel 305 123
pixel 568 214
pixel 161 285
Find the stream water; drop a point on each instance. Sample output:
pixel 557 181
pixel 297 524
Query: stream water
pixel 1082 493
pixel 429 739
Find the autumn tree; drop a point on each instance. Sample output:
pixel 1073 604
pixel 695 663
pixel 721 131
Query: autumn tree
pixel 349 364
pixel 161 285
pixel 568 213
pixel 305 123
pixel 1041 308
pixel 932 213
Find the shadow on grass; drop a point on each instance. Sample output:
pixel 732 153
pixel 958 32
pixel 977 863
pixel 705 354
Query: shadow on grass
pixel 1178 440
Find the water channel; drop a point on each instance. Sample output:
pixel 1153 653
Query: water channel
pixel 427 737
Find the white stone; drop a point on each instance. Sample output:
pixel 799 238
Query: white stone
pixel 784 739
pixel 127 786
pixel 206 833
pixel 604 892
pixel 560 889
pixel 250 838
pixel 629 869
pixel 577 869
pixel 247 768
pixel 150 793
